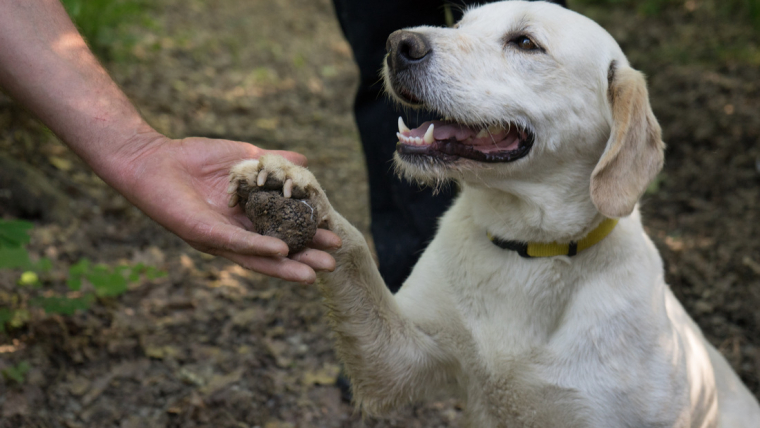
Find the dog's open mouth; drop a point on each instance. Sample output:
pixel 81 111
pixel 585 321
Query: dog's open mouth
pixel 449 140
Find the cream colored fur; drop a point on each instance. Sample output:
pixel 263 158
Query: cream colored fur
pixel 596 340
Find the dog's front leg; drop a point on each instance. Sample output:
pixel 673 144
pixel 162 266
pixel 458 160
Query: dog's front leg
pixel 388 358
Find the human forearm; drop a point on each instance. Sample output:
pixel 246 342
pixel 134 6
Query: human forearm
pixel 46 66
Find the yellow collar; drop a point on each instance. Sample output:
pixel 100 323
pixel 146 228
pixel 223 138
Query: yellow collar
pixel 539 249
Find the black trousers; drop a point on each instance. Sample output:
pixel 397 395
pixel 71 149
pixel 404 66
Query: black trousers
pixel 404 216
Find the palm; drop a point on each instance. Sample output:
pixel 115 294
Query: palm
pixel 182 185
pixel 201 168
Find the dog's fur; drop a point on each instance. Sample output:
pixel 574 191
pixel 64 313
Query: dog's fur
pixel 596 340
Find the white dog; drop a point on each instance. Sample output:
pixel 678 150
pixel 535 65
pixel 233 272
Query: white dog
pixel 533 300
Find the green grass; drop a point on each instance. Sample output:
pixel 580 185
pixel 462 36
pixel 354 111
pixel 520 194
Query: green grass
pixel 103 22
pixel 746 10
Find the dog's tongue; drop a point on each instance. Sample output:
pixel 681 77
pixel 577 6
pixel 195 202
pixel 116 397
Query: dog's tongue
pixel 444 130
pixel 485 140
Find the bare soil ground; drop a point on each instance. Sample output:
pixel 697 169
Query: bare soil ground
pixel 213 345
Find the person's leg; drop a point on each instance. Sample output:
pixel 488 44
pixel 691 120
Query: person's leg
pixel 404 217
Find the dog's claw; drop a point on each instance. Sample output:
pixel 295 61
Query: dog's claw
pixel 287 188
pixel 262 178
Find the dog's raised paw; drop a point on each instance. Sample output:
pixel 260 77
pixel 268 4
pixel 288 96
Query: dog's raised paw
pixel 276 197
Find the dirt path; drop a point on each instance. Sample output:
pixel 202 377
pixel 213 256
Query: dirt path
pixel 213 345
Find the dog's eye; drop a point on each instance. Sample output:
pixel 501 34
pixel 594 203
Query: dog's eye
pixel 525 43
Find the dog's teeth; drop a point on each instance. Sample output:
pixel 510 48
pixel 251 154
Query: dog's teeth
pixel 429 134
pixel 402 126
pixel 493 129
pixel 482 133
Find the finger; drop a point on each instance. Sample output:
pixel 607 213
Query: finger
pixel 278 267
pixel 317 260
pixel 294 157
pixel 255 152
pixel 326 240
pixel 234 239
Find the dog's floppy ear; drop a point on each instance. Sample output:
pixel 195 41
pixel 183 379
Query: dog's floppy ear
pixel 634 152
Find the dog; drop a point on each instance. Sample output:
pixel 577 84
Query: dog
pixel 541 300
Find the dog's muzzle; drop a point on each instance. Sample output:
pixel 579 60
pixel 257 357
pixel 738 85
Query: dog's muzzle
pixel 408 54
pixel 407 49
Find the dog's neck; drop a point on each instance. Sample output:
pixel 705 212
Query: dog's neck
pixel 559 211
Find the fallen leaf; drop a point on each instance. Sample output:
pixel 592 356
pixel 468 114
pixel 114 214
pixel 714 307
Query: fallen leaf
pixel 278 424
pixel 79 386
pixel 161 352
pixel 60 163
pixel 219 382
pixel 327 375
pixel 268 123
pixel 247 317
pixel 277 349
pixel 755 266
pixel 188 376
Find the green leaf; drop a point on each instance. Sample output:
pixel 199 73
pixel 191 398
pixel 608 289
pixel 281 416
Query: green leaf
pixel 17 372
pixel 14 233
pixel 76 272
pixel 133 276
pixel 43 265
pixel 80 268
pixel 74 283
pixel 13 258
pixel 20 317
pixel 5 316
pixel 152 273
pixel 108 283
pixel 63 305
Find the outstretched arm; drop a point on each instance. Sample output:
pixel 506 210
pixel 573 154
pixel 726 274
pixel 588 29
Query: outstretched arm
pixel 46 65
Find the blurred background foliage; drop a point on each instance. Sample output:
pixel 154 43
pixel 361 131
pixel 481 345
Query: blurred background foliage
pixel 103 23
pixel 748 10
pixel 697 32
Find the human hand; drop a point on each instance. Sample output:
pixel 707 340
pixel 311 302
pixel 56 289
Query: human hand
pixel 46 65
pixel 181 184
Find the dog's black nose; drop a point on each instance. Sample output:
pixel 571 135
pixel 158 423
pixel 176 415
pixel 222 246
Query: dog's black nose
pixel 406 48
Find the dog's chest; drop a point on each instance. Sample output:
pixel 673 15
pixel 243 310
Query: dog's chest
pixel 511 307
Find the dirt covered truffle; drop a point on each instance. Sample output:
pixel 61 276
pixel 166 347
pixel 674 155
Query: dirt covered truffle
pixel 293 220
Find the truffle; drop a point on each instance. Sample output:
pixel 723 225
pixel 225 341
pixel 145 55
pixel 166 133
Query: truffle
pixel 293 220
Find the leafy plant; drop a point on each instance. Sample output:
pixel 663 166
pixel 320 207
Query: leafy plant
pixel 747 10
pixel 14 235
pixel 107 281
pixel 17 372
pixel 102 22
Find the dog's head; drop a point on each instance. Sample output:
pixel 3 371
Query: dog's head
pixel 529 94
